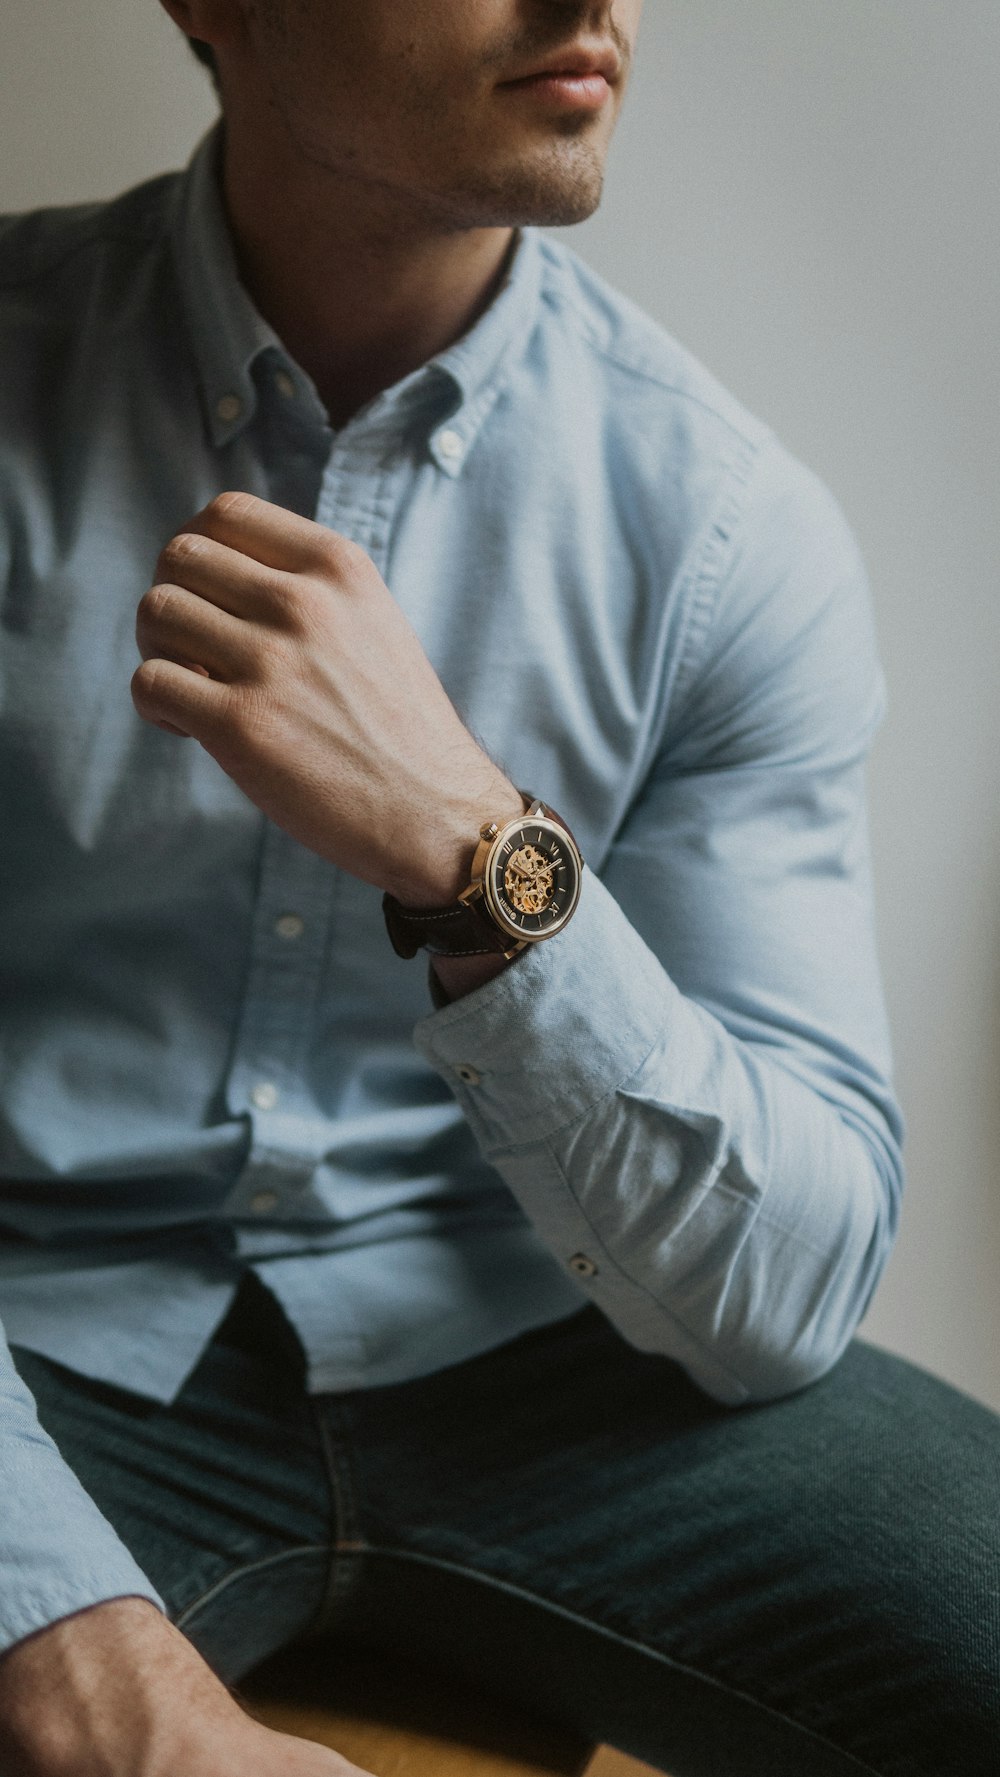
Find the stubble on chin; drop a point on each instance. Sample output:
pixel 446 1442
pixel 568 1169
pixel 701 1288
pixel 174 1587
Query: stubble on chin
pixel 552 185
pixel 552 190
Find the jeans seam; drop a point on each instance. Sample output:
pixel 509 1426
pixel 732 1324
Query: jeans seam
pixel 238 1573
pixel 347 1544
pixel 641 1647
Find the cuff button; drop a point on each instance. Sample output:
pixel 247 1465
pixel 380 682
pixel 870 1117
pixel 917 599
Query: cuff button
pixel 583 1266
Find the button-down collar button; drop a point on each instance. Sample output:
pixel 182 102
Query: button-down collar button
pixel 284 385
pixel 467 1074
pixel 290 925
pixel 264 1203
pixel 229 407
pixel 451 445
pixel 583 1266
pixel 264 1096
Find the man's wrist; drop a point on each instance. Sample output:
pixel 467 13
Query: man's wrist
pixel 452 833
pixel 50 1684
pixel 458 975
pixel 522 887
pixel 88 1691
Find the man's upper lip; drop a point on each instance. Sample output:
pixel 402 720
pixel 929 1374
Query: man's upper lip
pixel 576 63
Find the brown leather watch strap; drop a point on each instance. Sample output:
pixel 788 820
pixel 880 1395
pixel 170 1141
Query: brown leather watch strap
pixel 443 931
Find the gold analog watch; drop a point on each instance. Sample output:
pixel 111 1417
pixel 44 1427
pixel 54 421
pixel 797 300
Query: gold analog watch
pixel 524 887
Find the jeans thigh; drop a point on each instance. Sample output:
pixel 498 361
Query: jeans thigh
pixel 222 1496
pixel 810 1585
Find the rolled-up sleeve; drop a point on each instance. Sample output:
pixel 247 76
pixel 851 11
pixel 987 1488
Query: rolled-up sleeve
pixel 688 1091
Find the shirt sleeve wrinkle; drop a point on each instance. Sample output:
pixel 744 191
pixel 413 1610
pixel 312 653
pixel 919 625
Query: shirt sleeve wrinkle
pixel 743 1181
pixel 707 1366
pixel 790 673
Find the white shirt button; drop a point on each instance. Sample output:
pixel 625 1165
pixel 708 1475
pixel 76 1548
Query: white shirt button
pixel 284 385
pixel 229 407
pixel 264 1203
pixel 583 1266
pixel 290 925
pixel 264 1096
pixel 467 1074
pixel 451 445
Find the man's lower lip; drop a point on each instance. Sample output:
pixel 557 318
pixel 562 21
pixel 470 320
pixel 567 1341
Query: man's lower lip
pixel 580 92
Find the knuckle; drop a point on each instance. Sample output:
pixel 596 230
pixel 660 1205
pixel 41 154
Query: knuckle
pixel 146 681
pixel 233 507
pixel 354 551
pixel 186 547
pixel 338 556
pixel 355 559
pixel 155 604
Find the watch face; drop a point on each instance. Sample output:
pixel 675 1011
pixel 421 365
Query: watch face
pixel 532 878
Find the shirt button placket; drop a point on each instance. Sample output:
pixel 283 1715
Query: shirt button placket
pixel 270 1071
pixel 296 887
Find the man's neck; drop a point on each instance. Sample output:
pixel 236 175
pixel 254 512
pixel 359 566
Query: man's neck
pixel 358 293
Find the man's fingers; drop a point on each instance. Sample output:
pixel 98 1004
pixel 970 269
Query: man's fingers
pixel 270 535
pixel 187 626
pixel 233 581
pixel 178 697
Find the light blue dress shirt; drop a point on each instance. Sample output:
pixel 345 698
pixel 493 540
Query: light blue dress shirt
pixel 210 1057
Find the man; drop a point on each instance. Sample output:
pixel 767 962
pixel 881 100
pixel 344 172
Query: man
pixel 461 564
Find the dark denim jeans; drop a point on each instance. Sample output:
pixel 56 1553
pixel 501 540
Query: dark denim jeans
pixel 805 1588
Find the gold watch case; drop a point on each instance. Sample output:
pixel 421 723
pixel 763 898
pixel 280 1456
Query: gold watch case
pixel 526 876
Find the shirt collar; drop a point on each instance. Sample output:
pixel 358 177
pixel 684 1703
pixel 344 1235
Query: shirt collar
pixel 228 335
pixel 477 363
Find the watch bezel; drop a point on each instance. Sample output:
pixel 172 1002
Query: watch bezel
pixel 511 924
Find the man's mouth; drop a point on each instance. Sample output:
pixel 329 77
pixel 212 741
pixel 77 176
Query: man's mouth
pixel 580 76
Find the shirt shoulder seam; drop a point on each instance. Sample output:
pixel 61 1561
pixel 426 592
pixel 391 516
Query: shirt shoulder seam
pixel 555 292
pixel 706 573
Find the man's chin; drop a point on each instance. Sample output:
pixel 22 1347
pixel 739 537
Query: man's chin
pixel 552 187
pixel 563 210
pixel 544 195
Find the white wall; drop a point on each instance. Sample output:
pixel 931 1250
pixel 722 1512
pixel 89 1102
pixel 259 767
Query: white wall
pixel 805 192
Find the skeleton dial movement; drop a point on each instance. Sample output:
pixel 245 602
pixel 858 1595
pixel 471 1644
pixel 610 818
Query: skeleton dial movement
pixel 529 879
pixel 532 878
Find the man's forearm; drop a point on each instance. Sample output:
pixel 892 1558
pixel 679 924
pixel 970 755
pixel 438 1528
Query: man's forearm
pixel 118 1691
pixel 77 1688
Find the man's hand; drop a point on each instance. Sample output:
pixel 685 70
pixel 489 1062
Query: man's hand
pixel 276 644
pixel 117 1691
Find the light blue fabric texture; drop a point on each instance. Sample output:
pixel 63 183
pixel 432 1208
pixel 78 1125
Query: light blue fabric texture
pixel 651 615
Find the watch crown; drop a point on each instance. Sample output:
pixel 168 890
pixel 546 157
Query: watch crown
pixel 490 830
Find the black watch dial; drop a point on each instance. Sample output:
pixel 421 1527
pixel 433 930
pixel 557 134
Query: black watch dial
pixel 531 884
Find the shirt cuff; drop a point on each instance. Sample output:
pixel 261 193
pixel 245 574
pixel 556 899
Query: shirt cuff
pixel 545 1041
